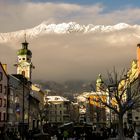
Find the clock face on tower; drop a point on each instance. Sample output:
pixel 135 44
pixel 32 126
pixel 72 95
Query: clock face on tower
pixel 24 65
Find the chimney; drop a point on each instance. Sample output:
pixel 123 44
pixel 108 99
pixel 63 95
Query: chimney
pixel 138 57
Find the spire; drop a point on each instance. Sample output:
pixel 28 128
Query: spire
pixel 25 43
pixel 24 50
pixel 25 37
pixel 99 79
pixel 99 83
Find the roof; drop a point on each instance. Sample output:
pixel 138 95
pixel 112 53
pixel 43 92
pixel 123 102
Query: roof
pixel 3 69
pixel 56 99
pixel 37 89
pixel 82 97
pixel 36 95
pixel 24 52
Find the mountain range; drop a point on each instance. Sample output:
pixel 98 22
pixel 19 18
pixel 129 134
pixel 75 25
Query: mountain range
pixel 64 28
pixel 67 88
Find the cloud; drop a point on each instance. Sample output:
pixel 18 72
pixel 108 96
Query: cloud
pixel 85 57
pixel 75 56
pixel 26 14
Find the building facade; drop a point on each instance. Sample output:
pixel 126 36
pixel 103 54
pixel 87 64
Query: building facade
pixel 24 101
pixel 74 112
pixel 18 100
pixel 58 109
pixel 3 96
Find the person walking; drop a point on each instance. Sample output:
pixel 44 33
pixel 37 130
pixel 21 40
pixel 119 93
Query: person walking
pixel 65 134
pixel 135 137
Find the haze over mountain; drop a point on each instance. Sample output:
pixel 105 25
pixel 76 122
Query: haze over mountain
pixel 71 51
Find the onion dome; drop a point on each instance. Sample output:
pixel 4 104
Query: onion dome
pixel 24 50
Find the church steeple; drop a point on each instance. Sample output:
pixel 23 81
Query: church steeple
pixel 25 50
pixel 25 43
pixel 99 83
pixel 24 63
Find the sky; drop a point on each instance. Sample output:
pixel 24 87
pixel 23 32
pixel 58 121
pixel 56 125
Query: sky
pixel 71 57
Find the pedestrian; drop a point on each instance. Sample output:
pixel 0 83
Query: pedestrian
pixel 65 134
pixel 135 137
pixel 130 132
pixel 59 135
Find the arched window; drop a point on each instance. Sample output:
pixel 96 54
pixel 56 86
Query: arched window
pixel 23 73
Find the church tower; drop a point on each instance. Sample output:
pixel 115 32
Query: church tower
pixel 24 63
pixel 99 83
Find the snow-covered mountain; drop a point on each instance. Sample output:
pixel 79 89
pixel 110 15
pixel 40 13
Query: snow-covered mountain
pixel 63 28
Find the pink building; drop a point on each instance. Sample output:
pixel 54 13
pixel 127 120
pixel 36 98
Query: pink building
pixel 3 95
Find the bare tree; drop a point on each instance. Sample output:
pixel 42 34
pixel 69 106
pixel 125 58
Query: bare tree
pixel 124 95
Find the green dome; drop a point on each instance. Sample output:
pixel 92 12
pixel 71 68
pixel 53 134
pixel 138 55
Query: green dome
pixel 24 52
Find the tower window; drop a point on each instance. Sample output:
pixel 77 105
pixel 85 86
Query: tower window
pixel 0 102
pixel 23 73
pixel 0 117
pixel 27 58
pixel 23 58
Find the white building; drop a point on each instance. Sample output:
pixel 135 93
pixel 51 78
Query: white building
pixel 58 109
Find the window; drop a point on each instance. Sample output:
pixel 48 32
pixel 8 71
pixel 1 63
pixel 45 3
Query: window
pixel 136 118
pixel 16 99
pixel 0 116
pixel 0 88
pixel 4 103
pixel 5 89
pixel 1 76
pixel 23 58
pixel 55 119
pixel 23 73
pixel 0 102
pixel 4 116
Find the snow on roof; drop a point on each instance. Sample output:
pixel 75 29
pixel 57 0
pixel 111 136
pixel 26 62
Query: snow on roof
pixel 82 97
pixel 56 98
